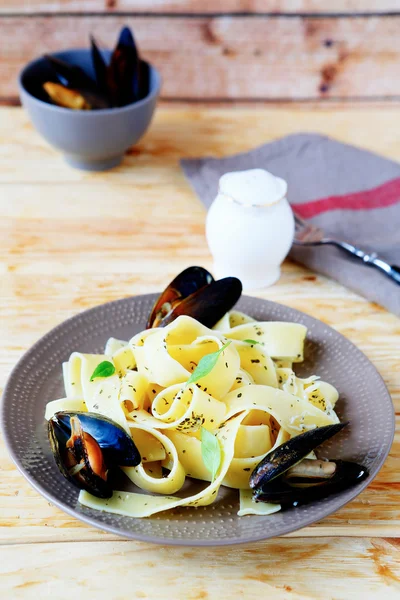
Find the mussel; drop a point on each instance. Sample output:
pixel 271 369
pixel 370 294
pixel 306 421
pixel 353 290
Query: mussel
pixel 195 293
pixel 123 71
pixel 316 483
pixel 186 283
pixel 126 79
pixel 87 446
pixel 99 66
pixel 69 75
pixel 74 79
pixel 286 477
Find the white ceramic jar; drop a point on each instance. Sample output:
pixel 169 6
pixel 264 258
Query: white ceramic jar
pixel 250 227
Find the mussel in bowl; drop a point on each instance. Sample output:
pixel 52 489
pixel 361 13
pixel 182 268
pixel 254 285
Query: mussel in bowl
pixel 286 477
pixel 87 447
pixel 107 80
pixel 73 88
pixel 195 293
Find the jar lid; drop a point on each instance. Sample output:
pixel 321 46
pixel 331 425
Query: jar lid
pixel 255 187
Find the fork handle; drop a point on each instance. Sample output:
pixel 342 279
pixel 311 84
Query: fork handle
pixel 371 259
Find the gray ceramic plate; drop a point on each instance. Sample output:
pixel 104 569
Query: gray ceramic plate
pixel 364 401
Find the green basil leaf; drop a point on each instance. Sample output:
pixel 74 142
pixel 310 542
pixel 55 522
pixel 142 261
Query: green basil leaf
pixel 210 452
pixel 251 342
pixel 104 369
pixel 206 364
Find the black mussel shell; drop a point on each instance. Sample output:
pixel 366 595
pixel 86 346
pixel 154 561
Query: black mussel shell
pixel 292 493
pixel 117 446
pixel 144 79
pixel 70 75
pixel 209 304
pixel 123 71
pixel 73 455
pixel 186 283
pixel 99 65
pixel 288 454
pixel 58 439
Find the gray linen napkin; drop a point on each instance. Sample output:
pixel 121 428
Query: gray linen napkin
pixel 352 194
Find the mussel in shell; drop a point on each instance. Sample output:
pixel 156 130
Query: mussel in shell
pixel 126 79
pixel 74 79
pixel 123 71
pixel 286 477
pixel 195 293
pixel 87 446
pixel 69 75
pixel 209 304
pixel 186 283
pixel 292 491
pixel 290 453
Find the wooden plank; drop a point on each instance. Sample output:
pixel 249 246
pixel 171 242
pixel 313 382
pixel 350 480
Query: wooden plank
pixel 156 157
pixel 71 240
pixel 200 6
pixel 259 58
pixel 284 569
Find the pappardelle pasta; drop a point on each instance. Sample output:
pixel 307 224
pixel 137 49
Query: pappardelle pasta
pixel 163 394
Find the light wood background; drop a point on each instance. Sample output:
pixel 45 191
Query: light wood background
pixel 224 50
pixel 70 240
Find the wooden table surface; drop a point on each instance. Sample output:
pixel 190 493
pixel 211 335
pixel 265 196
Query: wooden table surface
pixel 70 240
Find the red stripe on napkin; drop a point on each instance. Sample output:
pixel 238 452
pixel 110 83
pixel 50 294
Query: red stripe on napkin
pixel 384 195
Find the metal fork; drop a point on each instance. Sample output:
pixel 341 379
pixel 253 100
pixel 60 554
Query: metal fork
pixel 309 235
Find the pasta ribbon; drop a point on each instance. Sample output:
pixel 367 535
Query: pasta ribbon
pixel 293 414
pixel 134 505
pixel 280 340
pixel 145 480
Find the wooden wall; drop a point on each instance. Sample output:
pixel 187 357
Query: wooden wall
pixel 227 50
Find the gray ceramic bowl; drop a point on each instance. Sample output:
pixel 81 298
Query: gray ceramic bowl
pixel 92 140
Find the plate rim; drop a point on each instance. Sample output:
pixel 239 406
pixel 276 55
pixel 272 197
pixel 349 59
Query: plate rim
pixel 55 500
